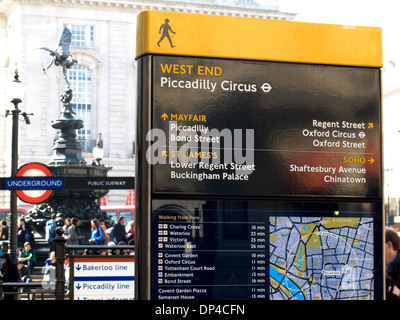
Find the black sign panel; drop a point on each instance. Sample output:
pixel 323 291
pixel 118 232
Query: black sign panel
pixel 248 128
pixel 259 180
pixel 266 250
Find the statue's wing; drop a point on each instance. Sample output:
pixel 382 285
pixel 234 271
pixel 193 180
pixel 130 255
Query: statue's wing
pixel 52 52
pixel 65 39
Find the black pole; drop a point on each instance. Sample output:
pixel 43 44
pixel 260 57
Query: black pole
pixel 60 259
pixel 14 168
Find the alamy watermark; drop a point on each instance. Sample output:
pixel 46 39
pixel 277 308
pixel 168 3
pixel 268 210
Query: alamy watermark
pixel 199 144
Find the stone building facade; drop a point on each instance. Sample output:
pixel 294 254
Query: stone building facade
pixel 104 80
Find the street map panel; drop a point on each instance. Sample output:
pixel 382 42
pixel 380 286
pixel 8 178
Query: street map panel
pixel 321 258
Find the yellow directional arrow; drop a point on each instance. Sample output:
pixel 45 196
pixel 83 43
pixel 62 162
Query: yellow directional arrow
pixel 164 116
pixel 371 160
pixel 370 125
pixel 164 153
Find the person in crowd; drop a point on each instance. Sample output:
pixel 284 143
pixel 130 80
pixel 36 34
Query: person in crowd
pixel 67 224
pixel 97 233
pixel 102 224
pixel 106 236
pixel 24 274
pixel 66 271
pixel 49 269
pixel 121 251
pixel 3 230
pixel 28 256
pixel 119 231
pixel 9 271
pixel 392 257
pixel 131 252
pixel 24 233
pixel 74 234
pixel 4 234
pixel 392 246
pixel 392 291
pixel 130 229
pixel 110 232
pixel 50 262
pixel 50 230
pixel 111 244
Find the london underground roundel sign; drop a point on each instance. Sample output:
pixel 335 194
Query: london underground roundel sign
pixel 34 169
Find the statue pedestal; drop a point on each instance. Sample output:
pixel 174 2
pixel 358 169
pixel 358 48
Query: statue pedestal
pixel 67 161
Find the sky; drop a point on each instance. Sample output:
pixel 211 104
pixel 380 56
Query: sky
pixel 373 13
pixel 352 12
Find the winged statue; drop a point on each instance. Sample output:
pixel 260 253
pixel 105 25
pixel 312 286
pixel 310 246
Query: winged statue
pixel 61 55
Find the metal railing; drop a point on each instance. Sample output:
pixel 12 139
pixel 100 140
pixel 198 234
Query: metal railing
pixel 26 291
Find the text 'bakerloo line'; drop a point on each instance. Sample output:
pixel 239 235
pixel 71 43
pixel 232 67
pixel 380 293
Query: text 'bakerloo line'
pixel 208 143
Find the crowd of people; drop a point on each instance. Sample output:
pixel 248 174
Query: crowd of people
pixel 23 269
pixel 116 234
pixel 121 234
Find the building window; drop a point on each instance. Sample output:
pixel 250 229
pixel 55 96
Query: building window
pixel 80 79
pixel 82 35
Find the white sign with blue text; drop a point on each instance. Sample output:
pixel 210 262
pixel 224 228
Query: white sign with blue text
pixel 104 278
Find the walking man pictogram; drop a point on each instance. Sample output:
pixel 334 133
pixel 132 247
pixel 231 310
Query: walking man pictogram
pixel 166 28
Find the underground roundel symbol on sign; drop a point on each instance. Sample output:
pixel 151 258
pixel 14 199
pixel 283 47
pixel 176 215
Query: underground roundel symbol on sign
pixel 34 169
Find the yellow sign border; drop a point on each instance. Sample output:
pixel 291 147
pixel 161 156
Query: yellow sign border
pixel 257 39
